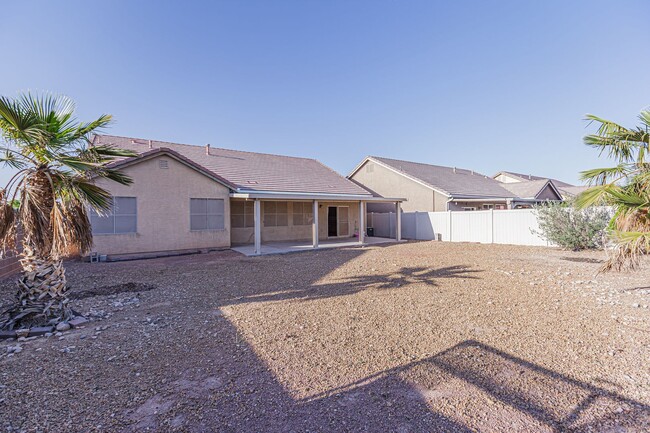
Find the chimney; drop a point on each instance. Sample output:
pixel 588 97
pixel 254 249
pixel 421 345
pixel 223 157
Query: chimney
pixel 207 149
pixel 150 144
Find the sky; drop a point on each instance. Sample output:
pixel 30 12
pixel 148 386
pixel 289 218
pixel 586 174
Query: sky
pixel 483 85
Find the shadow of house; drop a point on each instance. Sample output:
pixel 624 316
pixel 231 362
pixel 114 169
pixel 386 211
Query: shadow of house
pixel 555 401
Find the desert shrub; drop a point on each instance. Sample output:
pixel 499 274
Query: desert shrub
pixel 571 228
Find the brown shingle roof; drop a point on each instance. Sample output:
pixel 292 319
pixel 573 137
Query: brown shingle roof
pixel 527 189
pixel 528 177
pixel 455 182
pixel 250 171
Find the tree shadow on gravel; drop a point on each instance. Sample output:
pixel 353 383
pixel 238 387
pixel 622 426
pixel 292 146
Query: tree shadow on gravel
pixel 348 286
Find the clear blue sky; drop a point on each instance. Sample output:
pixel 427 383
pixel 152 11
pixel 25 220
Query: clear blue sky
pixel 485 85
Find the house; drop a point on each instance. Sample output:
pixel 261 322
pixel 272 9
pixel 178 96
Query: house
pixel 188 198
pixel 433 188
pixel 567 190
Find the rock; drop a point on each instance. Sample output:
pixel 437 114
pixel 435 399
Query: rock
pixel 4 335
pixel 77 321
pixel 48 334
pixel 41 330
pixel 63 326
pixel 14 349
pixel 22 332
pixel 58 334
pixel 635 305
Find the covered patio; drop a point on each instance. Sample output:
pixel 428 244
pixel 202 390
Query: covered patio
pixel 294 247
pixel 328 206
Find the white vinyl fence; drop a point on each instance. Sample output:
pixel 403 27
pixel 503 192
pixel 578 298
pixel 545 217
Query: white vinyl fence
pixel 516 226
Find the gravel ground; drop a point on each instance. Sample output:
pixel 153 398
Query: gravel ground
pixel 411 337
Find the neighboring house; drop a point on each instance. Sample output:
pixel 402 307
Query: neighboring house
pixel 433 188
pixel 187 198
pixel 566 189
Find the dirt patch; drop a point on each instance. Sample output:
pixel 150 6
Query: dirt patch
pixel 111 290
pixel 410 337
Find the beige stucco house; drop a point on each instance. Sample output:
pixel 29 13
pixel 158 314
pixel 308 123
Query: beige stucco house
pixel 434 188
pixel 191 198
pixel 566 190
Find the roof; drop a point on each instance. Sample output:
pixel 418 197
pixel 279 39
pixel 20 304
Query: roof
pixel 529 189
pixel 248 171
pixel 529 177
pixel 165 151
pixel 451 181
pixel 572 191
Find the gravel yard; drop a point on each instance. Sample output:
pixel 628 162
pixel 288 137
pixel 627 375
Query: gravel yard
pixel 411 337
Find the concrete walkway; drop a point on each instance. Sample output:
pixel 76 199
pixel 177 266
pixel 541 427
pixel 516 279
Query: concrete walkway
pixel 293 247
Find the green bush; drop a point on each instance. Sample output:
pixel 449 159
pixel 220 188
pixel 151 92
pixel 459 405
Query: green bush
pixel 570 228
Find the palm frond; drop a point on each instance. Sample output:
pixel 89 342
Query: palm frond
pixel 596 195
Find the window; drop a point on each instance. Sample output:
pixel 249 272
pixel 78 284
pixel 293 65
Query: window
pixel 303 214
pixel 206 214
pixel 469 208
pixel 121 218
pixel 488 206
pixel 275 214
pixel 242 214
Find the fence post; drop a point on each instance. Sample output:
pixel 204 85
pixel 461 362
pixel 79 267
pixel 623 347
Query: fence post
pixel 415 235
pixel 491 226
pixel 449 218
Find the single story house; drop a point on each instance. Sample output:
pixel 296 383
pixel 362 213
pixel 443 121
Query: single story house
pixel 434 188
pixel 188 198
pixel 566 189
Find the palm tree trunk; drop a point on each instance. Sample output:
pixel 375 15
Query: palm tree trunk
pixel 42 293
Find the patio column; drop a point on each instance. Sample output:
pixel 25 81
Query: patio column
pixel 362 222
pixel 258 226
pixel 314 225
pixel 398 221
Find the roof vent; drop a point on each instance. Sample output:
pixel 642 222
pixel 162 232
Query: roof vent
pixel 163 163
pixel 207 149
pixel 252 182
pixel 454 169
pixel 150 144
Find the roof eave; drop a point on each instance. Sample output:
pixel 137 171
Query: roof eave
pixel 290 195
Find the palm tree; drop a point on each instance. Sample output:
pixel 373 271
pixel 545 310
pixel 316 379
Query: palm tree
pixel 48 198
pixel 626 187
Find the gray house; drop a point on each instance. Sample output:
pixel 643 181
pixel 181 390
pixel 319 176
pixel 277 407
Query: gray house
pixel 567 190
pixel 432 188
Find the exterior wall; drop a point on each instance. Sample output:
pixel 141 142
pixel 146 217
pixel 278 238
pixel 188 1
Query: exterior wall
pixel 297 233
pixel 388 183
pixel 163 209
pixel 548 194
pixel 458 206
pixel 9 265
pixel 507 179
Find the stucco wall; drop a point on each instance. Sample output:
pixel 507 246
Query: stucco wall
pixel 297 233
pixel 548 194
pixel 458 206
pixel 507 179
pixel 163 209
pixel 387 183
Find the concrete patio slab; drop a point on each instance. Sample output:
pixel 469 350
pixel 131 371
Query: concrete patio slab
pixel 294 247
